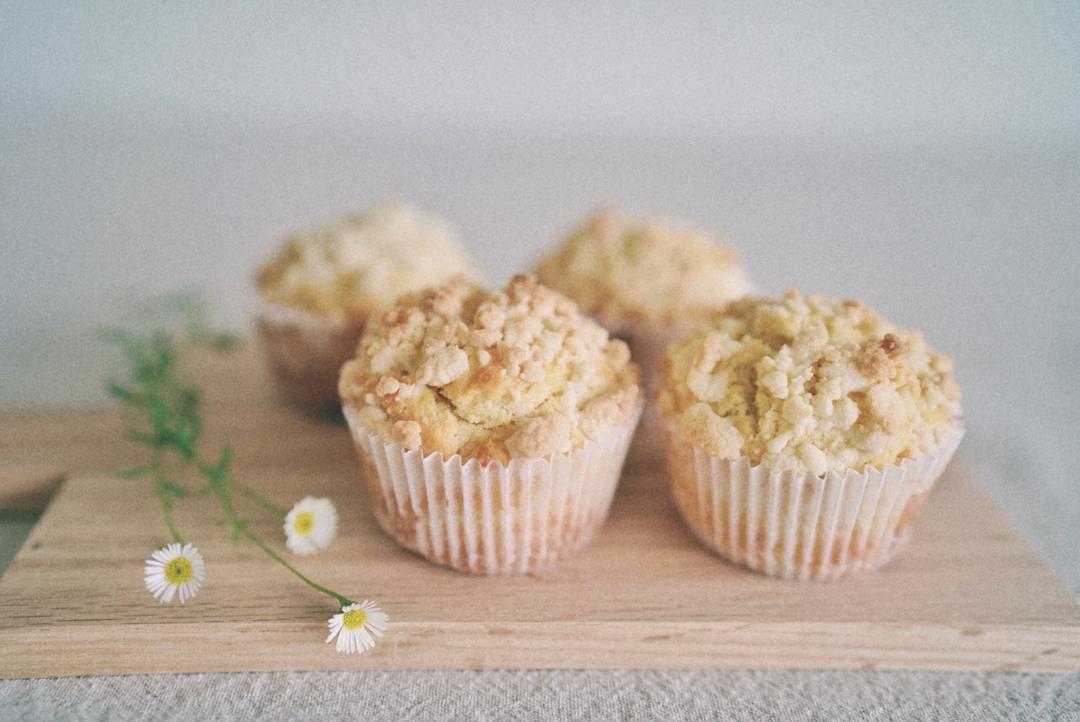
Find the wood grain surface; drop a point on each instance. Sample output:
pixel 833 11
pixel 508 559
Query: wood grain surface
pixel 968 593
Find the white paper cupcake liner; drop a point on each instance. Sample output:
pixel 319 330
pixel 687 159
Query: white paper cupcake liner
pixel 516 518
pixel 800 526
pixel 647 342
pixel 305 352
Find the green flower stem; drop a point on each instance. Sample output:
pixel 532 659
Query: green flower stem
pixel 238 524
pixel 170 522
pixel 170 408
pixel 342 600
pixel 164 496
pixel 258 499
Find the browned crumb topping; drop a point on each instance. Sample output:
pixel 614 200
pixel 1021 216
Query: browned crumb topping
pixel 810 384
pixel 517 373
pixel 364 261
pixel 650 270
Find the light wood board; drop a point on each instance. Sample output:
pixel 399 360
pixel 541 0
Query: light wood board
pixel 968 593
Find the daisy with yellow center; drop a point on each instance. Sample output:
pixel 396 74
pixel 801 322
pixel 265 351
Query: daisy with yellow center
pixel 357 626
pixel 174 570
pixel 310 525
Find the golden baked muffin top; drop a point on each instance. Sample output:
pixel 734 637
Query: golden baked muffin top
pixel 808 383
pixel 518 373
pixel 628 270
pixel 363 261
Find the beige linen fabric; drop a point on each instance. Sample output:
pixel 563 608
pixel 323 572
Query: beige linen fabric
pixel 783 695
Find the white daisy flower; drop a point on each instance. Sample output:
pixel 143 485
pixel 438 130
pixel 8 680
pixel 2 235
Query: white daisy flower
pixel 174 568
pixel 310 525
pixel 357 626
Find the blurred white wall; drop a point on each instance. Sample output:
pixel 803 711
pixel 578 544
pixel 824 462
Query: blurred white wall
pixel 875 71
pixel 922 156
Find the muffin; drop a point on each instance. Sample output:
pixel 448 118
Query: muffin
pixel 648 282
pixel 320 288
pixel 491 427
pixel 805 433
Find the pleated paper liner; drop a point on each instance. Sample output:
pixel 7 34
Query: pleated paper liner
pixel 517 518
pixel 305 352
pixel 800 526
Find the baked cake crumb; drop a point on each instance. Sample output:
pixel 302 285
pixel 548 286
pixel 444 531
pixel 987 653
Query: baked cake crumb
pixel 624 270
pixel 493 376
pixel 806 383
pixel 364 261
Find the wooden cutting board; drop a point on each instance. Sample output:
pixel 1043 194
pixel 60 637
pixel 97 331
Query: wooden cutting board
pixel 968 593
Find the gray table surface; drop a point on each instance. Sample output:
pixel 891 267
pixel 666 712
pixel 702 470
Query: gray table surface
pixel 979 246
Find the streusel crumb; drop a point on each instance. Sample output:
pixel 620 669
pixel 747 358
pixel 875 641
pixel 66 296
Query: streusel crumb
pixel 362 262
pixel 518 373
pixel 809 384
pixel 625 270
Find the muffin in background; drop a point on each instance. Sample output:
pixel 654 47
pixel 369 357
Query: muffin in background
pixel 322 285
pixel 491 427
pixel 804 433
pixel 648 282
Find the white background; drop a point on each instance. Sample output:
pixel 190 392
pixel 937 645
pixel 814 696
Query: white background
pixel 923 158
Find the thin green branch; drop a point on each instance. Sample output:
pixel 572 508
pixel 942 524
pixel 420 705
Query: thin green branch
pixel 170 408
pixel 165 491
pixel 259 499
pixel 221 486
pixel 342 600
pixel 167 512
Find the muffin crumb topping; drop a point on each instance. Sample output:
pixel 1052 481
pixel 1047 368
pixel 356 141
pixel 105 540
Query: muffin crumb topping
pixel 518 373
pixel 624 270
pixel 364 261
pixel 809 384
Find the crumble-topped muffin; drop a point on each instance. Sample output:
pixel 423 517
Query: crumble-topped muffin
pixel 805 434
pixel 807 383
pixel 629 270
pixel 648 282
pixel 350 267
pixel 320 288
pixel 520 373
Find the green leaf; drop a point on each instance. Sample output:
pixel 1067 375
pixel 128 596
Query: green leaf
pixel 142 437
pixel 136 472
pixel 224 459
pixel 189 398
pixel 236 528
pixel 172 488
pixel 121 393
pixel 224 341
